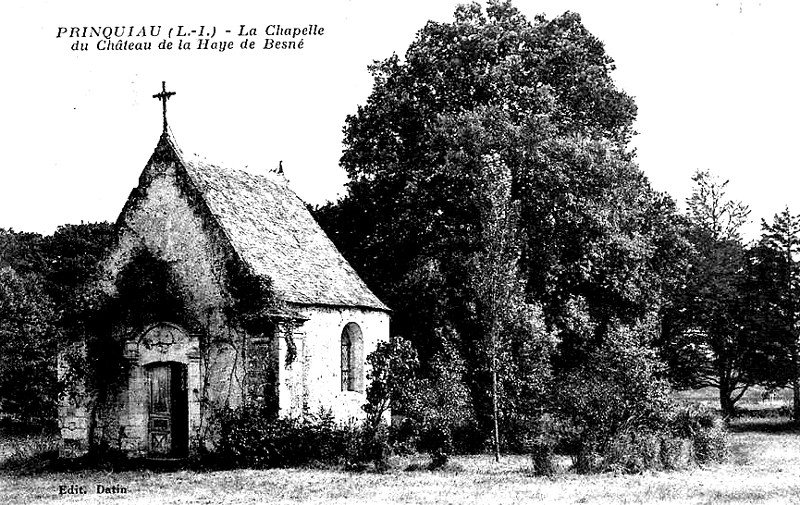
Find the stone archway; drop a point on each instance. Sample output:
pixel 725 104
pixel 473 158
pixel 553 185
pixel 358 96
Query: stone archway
pixel 167 409
pixel 163 392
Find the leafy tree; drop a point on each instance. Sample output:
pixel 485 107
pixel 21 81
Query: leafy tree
pixel 22 251
pixel 27 349
pixel 538 98
pixel 516 342
pixel 73 253
pixel 775 290
pixel 43 277
pixel 64 261
pixel 497 280
pixel 595 231
pixel 705 335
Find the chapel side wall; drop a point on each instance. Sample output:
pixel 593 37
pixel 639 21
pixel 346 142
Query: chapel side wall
pixel 320 369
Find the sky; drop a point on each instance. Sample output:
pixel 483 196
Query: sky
pixel 715 83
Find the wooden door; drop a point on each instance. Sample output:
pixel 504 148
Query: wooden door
pixel 160 411
pixel 167 423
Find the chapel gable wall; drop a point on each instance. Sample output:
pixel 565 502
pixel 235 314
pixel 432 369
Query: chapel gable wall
pixel 165 220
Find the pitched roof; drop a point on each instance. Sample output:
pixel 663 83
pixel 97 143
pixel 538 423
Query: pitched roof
pixel 271 229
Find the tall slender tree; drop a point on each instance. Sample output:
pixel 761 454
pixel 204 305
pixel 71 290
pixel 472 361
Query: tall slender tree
pixel 497 279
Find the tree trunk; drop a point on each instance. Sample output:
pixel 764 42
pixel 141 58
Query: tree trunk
pixel 496 428
pixel 725 401
pixel 796 384
pixel 494 406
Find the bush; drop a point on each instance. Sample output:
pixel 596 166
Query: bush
pixel 543 441
pixel 441 418
pixel 614 395
pixel 587 460
pixel 711 444
pixel 373 446
pixel 437 441
pixel 615 413
pixel 707 431
pixel 633 451
pixel 404 436
pixel 693 436
pixel 676 453
pixel 557 431
pixel 436 437
pixel 542 458
pixel 393 368
pixel 253 437
pixel 687 421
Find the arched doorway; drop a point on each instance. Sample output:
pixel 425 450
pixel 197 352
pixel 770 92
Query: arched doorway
pixel 160 387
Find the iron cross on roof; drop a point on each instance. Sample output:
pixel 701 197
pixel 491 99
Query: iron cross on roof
pixel 164 96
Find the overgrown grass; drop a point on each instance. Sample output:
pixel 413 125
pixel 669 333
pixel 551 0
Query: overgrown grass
pixel 764 468
pixel 23 453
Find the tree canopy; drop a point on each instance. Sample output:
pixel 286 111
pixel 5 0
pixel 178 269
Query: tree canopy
pixel 540 97
pixel 41 278
pixel 537 99
pixel 775 293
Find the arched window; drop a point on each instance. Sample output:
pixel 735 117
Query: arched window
pixel 352 358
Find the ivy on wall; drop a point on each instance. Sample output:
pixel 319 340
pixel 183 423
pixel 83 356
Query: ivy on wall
pixel 255 307
pixel 147 291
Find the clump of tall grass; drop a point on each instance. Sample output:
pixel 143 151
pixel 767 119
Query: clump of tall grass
pixel 707 431
pixel 27 454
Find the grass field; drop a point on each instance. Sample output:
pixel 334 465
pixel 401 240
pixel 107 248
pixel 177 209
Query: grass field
pixel 753 399
pixel 764 468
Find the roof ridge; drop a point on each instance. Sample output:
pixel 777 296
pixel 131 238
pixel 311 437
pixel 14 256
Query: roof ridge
pixel 268 175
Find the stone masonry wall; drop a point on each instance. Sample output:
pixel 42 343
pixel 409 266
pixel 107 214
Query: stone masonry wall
pixel 73 418
pixel 316 380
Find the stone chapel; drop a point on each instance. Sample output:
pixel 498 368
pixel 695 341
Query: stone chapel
pixel 197 217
